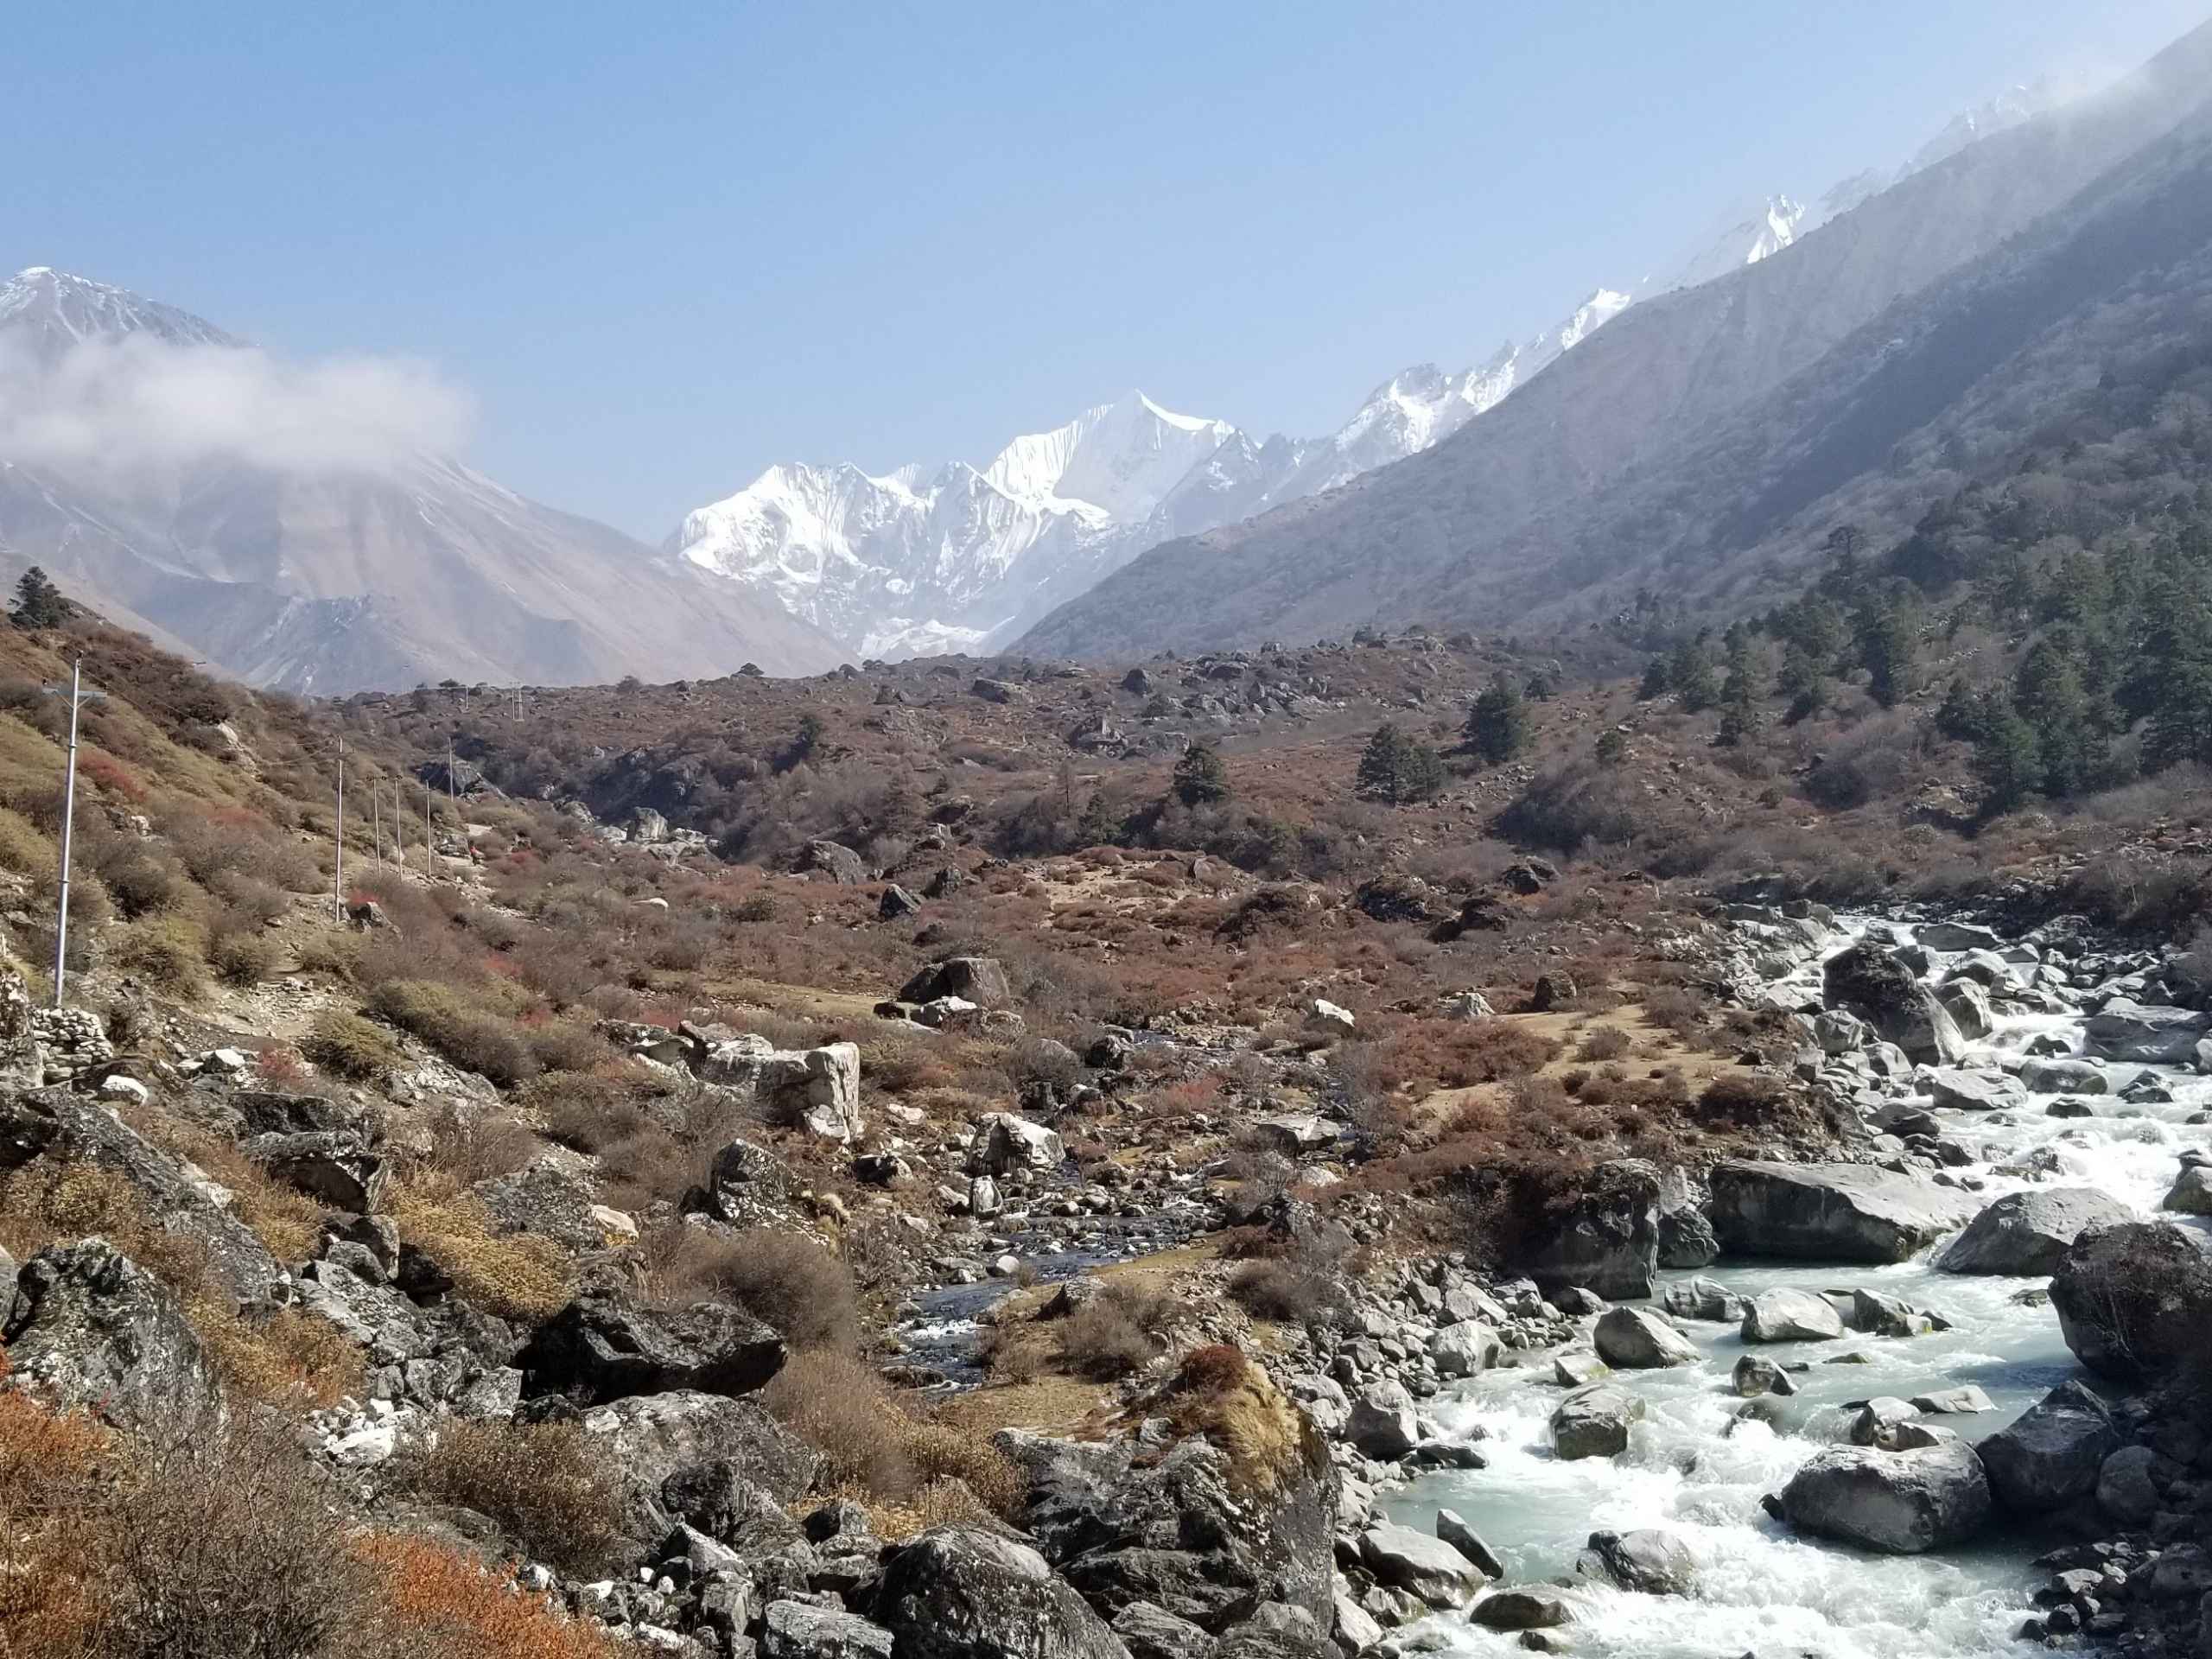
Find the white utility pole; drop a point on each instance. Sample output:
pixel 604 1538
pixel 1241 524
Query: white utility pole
pixel 69 824
pixel 338 882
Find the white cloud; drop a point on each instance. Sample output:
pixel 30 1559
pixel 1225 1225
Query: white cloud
pixel 123 405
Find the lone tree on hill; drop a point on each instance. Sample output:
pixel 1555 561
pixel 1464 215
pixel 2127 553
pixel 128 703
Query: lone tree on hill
pixel 1498 727
pixel 39 603
pixel 1200 779
pixel 1397 768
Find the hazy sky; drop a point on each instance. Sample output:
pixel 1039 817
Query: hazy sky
pixel 664 246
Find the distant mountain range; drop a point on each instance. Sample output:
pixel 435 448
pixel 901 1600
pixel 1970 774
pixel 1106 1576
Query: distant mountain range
pixel 1706 440
pixel 953 558
pixel 313 564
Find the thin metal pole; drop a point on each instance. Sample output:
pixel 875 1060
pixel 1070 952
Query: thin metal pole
pixel 338 883
pixel 376 822
pixel 69 824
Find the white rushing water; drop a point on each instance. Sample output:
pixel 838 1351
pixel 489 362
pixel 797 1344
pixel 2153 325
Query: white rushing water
pixel 1690 1469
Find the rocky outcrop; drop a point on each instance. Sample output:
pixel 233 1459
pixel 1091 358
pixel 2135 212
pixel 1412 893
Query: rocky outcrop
pixel 1606 1240
pixel 721 1466
pixel 91 1328
pixel 179 1198
pixel 2028 1232
pixel 2133 1300
pixel 819 1088
pixel 1975 1091
pixel 959 1593
pixel 1202 1533
pixel 604 1347
pixel 1901 1502
pixel 1427 1568
pixel 1830 1212
pixel 2051 1454
pixel 1648 1558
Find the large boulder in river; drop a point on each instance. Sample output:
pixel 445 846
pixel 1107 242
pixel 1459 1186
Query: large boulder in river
pixel 2027 1232
pixel 1606 1239
pixel 2133 1300
pixel 1593 1422
pixel 603 1347
pixel 91 1328
pixel 2127 1030
pixel 1647 1558
pixel 2060 1076
pixel 1635 1339
pixel 2051 1454
pixel 1830 1212
pixel 1962 1090
pixel 1425 1567
pixel 1880 987
pixel 960 1592
pixel 1786 1315
pixel 1901 1502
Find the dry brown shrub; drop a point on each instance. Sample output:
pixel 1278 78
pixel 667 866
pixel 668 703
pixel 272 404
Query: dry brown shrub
pixel 349 1046
pixel 871 1448
pixel 549 1488
pixel 784 1278
pixel 437 1604
pixel 1115 1334
pixel 51 1484
pixel 1604 1043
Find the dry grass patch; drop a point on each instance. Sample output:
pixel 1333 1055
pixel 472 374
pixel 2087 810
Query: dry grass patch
pixel 1221 1394
pixel 515 1276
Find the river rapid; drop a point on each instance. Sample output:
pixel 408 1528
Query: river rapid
pixel 1694 1469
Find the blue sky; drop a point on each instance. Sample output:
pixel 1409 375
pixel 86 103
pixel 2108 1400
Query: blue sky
pixel 664 245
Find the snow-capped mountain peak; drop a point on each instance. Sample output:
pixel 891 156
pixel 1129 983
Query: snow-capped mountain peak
pixel 53 310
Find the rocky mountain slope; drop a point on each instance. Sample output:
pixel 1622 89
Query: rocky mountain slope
pixel 1497 522
pixel 313 571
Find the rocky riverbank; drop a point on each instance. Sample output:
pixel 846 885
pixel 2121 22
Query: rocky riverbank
pixel 1931 1397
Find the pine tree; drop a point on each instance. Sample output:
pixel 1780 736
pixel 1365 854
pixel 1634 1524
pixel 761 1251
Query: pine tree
pixel 1099 824
pixel 1657 680
pixel 1696 683
pixel 39 603
pixel 1802 681
pixel 1396 768
pixel 1612 746
pixel 1379 763
pixel 1498 726
pixel 2006 759
pixel 1543 685
pixel 1200 779
pixel 1887 645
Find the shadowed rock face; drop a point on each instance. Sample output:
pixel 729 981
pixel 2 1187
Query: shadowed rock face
pixel 2134 1300
pixel 1608 1240
pixel 2051 1454
pixel 600 1347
